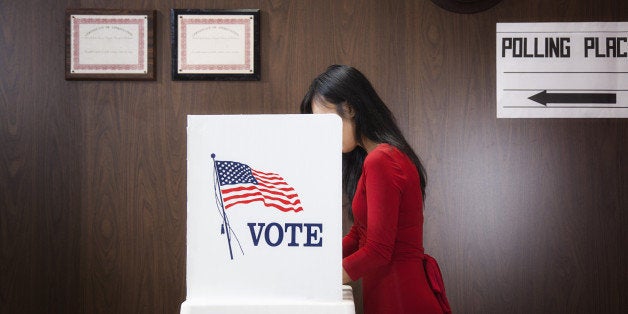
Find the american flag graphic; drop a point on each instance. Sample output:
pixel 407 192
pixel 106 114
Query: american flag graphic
pixel 240 184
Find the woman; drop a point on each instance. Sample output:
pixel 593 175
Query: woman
pixel 386 182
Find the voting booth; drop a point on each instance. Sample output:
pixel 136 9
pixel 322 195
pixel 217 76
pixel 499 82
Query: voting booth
pixel 264 227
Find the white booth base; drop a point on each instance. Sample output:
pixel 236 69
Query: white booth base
pixel 345 306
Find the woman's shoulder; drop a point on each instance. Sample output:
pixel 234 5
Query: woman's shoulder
pixel 384 153
pixel 387 161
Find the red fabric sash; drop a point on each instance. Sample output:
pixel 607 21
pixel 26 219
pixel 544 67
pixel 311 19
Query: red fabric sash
pixel 435 279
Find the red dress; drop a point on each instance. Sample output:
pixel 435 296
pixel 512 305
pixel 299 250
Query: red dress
pixel 385 244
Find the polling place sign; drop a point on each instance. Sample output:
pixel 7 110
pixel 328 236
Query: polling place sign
pixel 562 70
pixel 264 213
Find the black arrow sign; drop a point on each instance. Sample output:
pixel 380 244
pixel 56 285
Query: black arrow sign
pixel 544 98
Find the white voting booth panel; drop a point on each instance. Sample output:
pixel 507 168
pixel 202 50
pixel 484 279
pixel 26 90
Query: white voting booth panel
pixel 264 228
pixel 346 306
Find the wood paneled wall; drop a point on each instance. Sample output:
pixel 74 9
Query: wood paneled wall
pixel 524 215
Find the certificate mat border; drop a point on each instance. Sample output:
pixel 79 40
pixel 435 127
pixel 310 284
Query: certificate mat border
pixel 113 75
pixel 224 76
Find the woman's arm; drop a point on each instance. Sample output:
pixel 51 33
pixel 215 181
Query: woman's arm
pixel 384 185
pixel 350 242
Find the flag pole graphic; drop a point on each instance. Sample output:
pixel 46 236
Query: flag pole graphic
pixel 225 222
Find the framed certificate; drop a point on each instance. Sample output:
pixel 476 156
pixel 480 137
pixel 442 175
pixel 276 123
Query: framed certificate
pixel 109 45
pixel 215 44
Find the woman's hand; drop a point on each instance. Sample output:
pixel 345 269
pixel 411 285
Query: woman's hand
pixel 345 277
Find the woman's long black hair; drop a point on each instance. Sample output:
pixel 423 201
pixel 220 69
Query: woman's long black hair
pixel 340 85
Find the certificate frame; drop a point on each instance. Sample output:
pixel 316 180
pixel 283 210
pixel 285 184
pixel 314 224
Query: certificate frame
pixel 107 44
pixel 215 45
